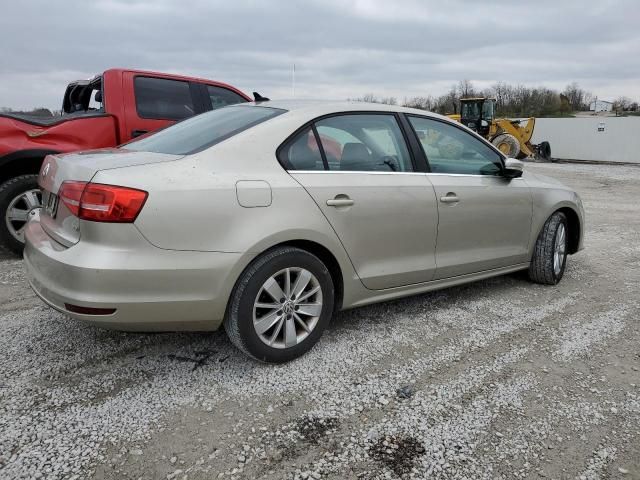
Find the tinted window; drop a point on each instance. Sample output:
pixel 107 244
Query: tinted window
pixel 364 142
pixel 221 97
pixel 163 99
pixel 450 149
pixel 200 132
pixel 302 153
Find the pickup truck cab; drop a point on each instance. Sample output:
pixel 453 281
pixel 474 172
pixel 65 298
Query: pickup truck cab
pixel 106 111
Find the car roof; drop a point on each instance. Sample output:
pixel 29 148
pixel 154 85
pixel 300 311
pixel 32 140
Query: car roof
pixel 324 107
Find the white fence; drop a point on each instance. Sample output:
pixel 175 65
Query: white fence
pixel 614 139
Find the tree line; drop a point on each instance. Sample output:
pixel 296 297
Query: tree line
pixel 511 100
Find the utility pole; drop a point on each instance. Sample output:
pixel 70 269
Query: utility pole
pixel 293 81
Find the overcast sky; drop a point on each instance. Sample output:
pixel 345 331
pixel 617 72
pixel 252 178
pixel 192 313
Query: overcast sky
pixel 341 48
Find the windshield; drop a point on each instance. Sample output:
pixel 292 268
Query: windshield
pixel 470 110
pixel 203 131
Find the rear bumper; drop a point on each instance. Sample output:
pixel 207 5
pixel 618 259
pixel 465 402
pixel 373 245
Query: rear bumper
pixel 150 289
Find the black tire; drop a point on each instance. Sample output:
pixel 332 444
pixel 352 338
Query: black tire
pixel 507 144
pixel 8 191
pixel 541 268
pixel 238 322
pixel 544 151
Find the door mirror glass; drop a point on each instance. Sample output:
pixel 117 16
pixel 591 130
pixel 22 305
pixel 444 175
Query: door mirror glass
pixel 513 168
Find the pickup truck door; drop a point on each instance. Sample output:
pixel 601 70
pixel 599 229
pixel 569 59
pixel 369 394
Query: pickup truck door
pixel 152 102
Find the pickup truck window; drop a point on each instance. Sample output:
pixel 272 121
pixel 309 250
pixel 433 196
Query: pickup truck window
pixel 221 97
pixel 163 99
pixel 203 131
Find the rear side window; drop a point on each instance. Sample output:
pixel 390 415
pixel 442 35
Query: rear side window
pixel 163 99
pixel 203 131
pixel 350 142
pixel 221 97
pixel 363 143
pixel 302 153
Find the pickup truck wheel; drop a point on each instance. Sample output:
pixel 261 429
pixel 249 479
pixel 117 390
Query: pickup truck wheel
pixel 20 199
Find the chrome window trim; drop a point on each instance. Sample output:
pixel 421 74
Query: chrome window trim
pixel 468 175
pixel 293 172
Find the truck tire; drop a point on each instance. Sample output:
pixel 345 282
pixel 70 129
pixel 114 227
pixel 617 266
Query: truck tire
pixel 507 144
pixel 544 151
pixel 22 195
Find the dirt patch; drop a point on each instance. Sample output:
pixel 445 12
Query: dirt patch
pixel 397 453
pixel 313 429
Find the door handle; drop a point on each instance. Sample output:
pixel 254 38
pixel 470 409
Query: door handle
pixel 138 133
pixel 340 201
pixel 450 198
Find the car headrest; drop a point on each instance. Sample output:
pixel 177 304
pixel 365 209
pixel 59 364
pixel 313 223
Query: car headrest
pixel 302 157
pixel 355 156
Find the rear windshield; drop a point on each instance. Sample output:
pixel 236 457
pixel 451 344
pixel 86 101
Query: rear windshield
pixel 198 133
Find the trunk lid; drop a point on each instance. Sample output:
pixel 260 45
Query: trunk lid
pixel 55 217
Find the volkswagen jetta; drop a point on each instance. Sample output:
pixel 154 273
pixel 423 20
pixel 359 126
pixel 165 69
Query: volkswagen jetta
pixel 269 217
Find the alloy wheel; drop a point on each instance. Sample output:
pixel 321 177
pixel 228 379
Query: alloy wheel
pixel 287 307
pixel 21 209
pixel 559 250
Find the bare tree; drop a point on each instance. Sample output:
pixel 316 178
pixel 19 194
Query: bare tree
pixel 422 103
pixel 622 104
pixel 466 89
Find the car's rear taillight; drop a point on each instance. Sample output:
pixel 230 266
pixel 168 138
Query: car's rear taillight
pixel 102 203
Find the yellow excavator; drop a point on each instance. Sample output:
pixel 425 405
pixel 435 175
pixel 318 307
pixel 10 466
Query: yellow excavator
pixel 509 136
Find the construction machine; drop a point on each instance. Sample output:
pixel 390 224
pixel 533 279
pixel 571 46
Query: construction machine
pixel 509 136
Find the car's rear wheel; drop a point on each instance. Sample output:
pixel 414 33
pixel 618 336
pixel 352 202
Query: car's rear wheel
pixel 20 199
pixel 280 305
pixel 550 253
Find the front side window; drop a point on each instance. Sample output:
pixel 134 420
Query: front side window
pixel 450 149
pixel 364 142
pixel 203 131
pixel 163 99
pixel 221 97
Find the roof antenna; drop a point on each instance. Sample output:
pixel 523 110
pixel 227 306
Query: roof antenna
pixel 259 98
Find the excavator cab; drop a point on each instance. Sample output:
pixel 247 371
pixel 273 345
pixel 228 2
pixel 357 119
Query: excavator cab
pixel 478 114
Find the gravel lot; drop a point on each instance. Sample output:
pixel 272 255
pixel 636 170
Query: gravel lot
pixel 498 379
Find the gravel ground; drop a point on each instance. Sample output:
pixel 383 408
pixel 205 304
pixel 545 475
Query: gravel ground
pixel 497 379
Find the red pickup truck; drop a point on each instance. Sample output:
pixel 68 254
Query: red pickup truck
pixel 108 110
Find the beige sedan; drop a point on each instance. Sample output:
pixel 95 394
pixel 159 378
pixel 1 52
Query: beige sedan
pixel 269 217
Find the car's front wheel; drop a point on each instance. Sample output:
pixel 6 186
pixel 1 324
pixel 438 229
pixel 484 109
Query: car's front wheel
pixel 280 305
pixel 550 253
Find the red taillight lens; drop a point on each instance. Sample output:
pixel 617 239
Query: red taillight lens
pixel 70 194
pixel 102 203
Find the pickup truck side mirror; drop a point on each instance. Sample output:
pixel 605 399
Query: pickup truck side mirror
pixel 513 168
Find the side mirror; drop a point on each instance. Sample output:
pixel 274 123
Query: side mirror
pixel 513 168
